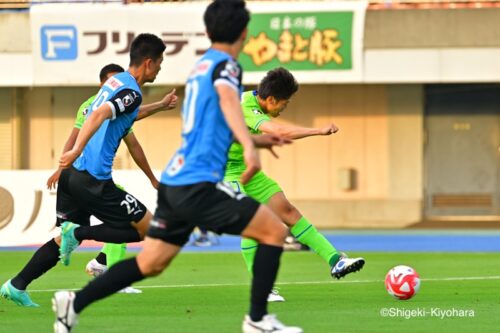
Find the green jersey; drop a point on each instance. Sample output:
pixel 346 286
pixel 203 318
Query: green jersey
pixel 82 113
pixel 254 117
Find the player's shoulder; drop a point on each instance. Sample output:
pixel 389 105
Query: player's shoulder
pixel 121 81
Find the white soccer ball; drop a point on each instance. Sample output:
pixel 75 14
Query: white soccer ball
pixel 402 282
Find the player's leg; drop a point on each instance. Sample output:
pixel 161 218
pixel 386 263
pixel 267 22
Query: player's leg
pixel 302 229
pixel 109 255
pixel 223 210
pixel 160 247
pixel 125 219
pixel 269 231
pixel 47 255
pixel 307 234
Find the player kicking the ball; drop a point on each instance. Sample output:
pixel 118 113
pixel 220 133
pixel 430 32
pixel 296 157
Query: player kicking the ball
pixel 259 106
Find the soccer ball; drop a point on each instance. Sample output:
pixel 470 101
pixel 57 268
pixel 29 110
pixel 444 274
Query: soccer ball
pixel 402 282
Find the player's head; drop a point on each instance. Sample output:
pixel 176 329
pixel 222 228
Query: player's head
pixel 108 71
pixel 226 21
pixel 275 90
pixel 146 54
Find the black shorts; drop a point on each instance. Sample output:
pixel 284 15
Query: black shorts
pixel 80 195
pixel 216 207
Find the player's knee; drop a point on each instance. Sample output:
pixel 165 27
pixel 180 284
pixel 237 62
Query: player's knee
pixel 153 269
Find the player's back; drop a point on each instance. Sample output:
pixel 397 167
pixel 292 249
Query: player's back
pixel 206 136
pixel 123 95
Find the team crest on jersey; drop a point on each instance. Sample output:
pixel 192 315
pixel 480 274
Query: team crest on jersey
pixel 85 111
pixel 113 83
pixel 257 112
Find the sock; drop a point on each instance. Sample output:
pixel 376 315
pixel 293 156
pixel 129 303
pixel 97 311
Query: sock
pixel 103 233
pixel 119 276
pixel 44 259
pixel 307 234
pixel 265 270
pixel 101 257
pixel 248 249
pixel 114 252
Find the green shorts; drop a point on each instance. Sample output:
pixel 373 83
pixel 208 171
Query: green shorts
pixel 260 187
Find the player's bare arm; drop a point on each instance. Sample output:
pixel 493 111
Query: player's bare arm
pixel 90 126
pixel 268 141
pixel 168 102
pixel 54 178
pixel 135 149
pixel 295 132
pixel 230 105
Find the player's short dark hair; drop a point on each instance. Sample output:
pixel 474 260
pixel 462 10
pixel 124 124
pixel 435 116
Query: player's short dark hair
pixel 111 68
pixel 145 46
pixel 225 20
pixel 278 83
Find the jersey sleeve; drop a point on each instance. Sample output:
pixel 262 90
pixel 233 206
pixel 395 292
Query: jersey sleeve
pixel 228 73
pixel 254 117
pixel 124 101
pixel 82 112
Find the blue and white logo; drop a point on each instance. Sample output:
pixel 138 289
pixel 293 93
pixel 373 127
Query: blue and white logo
pixel 59 42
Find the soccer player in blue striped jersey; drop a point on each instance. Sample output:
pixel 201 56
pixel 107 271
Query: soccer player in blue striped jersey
pixel 86 187
pixel 191 191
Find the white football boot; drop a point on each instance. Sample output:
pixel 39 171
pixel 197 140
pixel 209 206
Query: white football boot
pixel 268 324
pixel 62 305
pixel 274 296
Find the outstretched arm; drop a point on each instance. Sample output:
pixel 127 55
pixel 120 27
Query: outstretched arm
pixel 135 149
pixel 296 132
pixel 168 102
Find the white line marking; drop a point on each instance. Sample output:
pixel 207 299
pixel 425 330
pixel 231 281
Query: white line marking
pixel 464 278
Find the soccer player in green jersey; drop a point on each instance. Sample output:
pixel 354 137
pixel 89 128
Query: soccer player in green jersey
pixel 259 107
pixel 113 253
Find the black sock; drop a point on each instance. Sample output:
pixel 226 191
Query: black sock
pixel 265 270
pixel 119 276
pixel 44 259
pixel 101 258
pixel 103 233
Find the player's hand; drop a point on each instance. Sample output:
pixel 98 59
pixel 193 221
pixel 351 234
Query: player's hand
pixel 328 130
pixel 252 161
pixel 268 141
pixel 68 158
pixel 54 179
pixel 169 101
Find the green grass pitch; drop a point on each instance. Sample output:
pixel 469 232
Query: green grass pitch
pixel 208 292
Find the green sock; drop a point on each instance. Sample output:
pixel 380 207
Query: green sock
pixel 114 253
pixel 248 249
pixel 307 234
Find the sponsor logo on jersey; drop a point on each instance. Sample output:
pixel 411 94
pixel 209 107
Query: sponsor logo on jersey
pixel 175 165
pixel 113 83
pixel 129 99
pixel 201 68
pixel 120 104
pixel 232 72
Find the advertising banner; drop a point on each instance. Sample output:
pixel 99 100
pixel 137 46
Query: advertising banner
pixel 320 42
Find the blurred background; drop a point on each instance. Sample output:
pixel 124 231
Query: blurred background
pixel 412 85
